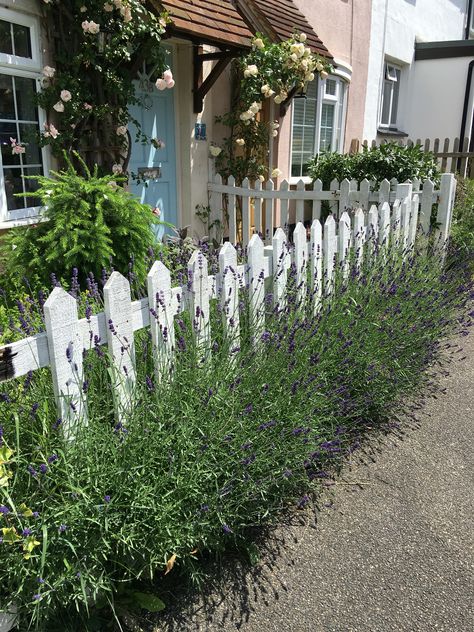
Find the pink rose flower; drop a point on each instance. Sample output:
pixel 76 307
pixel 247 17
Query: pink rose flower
pixel 161 84
pixel 170 84
pixel 65 95
pixel 48 71
pixel 87 106
pixel 168 75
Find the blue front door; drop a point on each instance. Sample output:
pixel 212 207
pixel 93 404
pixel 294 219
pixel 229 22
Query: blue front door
pixel 154 162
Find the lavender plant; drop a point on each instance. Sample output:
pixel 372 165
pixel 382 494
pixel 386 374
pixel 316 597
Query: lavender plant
pixel 215 450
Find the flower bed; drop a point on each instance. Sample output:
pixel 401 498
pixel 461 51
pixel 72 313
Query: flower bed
pixel 91 526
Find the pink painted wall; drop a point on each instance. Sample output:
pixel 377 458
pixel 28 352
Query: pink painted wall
pixel 344 27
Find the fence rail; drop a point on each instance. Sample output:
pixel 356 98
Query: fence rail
pixel 454 155
pixel 244 210
pixel 361 235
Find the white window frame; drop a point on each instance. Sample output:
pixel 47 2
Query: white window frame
pixel 31 69
pixel 392 77
pixel 340 102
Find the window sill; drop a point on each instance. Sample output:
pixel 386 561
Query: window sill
pixel 18 223
pixel 386 131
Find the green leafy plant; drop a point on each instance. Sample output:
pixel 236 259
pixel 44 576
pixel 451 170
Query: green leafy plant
pixel 92 223
pixel 200 461
pixel 388 161
pixel 462 230
pixel 98 49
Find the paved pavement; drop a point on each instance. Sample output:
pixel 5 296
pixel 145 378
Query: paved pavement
pixel 391 548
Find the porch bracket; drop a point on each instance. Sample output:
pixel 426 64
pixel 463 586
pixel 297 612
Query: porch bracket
pixel 201 88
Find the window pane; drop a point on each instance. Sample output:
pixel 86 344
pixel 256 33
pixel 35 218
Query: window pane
pixel 7 131
pixel 331 87
pixel 387 91
pixel 13 184
pixel 7 104
pixel 25 99
pixel 32 185
pixel 5 38
pixel 393 114
pixel 22 40
pixel 29 137
pixel 298 111
pixel 327 126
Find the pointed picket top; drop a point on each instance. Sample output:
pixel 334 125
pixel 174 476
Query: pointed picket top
pixel 384 191
pixel 218 178
pixel 245 212
pixel 198 301
pixel 416 184
pixel 384 224
pixel 269 215
pixel 65 354
pixel 284 187
pixel 256 283
pixel 301 256
pixel 360 233
pixel 364 193
pixel 229 293
pixel 120 339
pixel 329 251
pixel 344 201
pixel 316 262
pixel 300 187
pixel 161 319
pixel 316 210
pixel 426 205
pixel 279 255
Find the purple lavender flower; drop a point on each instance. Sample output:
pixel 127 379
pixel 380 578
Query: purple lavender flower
pixel 36 597
pixel 52 458
pixel 26 532
pixel 226 528
pixel 43 468
pixel 107 499
pixel 303 501
pixel 40 580
pixel 32 470
pixel 36 514
pixel 57 423
pixel 4 510
pixel 149 383
pixel 62 528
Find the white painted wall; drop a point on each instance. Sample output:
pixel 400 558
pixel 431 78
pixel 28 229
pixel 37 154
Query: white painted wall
pixel 395 26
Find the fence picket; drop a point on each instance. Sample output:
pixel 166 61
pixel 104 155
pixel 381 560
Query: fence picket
pixel 300 186
pixel 329 252
pixel 216 207
pixel 120 340
pixel 316 211
pixel 384 191
pixel 396 223
pixel 245 212
pixel 344 243
pixel 198 302
pixel 65 357
pixel 384 225
pixel 256 285
pixel 257 208
pixel 426 205
pixel 231 211
pixel 161 320
pixel 373 229
pixel 364 194
pixel 269 214
pixel 301 255
pixel 316 246
pixel 359 235
pixel 284 186
pixel 280 253
pixel 333 205
pixel 406 216
pixel 344 196
pixel 229 292
pixel 415 207
pixel 445 207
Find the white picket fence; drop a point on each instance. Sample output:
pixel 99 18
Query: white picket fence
pixel 359 235
pixel 264 208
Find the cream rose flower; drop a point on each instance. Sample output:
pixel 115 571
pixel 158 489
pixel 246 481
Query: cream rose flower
pixel 240 142
pixel 65 95
pixel 276 173
pixel 121 130
pixel 303 37
pixel 251 71
pixel 48 71
pixel 258 43
pixel 324 74
pixel 59 106
pixel 215 151
pixel 116 169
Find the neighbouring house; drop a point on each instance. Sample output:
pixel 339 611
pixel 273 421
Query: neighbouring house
pixel 421 57
pixel 203 38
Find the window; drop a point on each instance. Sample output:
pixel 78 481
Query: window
pixel 470 22
pixel 20 120
pixel 317 122
pixel 390 95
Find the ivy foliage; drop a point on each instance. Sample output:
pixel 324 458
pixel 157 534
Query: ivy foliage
pixel 93 224
pixel 98 49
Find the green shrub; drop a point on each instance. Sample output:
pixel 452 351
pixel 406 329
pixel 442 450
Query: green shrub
pixel 221 449
pixel 92 223
pixel 462 229
pixel 376 163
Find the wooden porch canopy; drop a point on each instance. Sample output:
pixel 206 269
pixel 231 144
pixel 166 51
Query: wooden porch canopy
pixel 230 25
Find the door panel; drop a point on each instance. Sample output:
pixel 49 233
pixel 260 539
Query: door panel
pixel 156 117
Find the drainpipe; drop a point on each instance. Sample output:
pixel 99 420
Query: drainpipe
pixel 467 95
pixel 468 22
